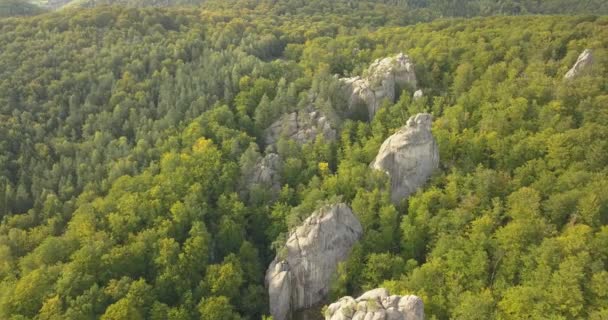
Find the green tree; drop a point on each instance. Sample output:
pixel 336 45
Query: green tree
pixel 217 308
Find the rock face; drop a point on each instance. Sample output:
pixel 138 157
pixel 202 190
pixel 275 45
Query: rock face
pixel 300 279
pixel 382 81
pixel 266 172
pixel 376 304
pixel 583 64
pixel 301 126
pixel 409 156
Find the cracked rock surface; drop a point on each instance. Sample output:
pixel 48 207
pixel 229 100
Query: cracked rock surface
pixel 383 79
pixel 376 304
pixel 300 278
pixel 409 156
pixel 301 126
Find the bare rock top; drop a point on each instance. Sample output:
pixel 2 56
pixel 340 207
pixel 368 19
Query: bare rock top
pixel 582 65
pixel 382 80
pixel 301 126
pixel 299 278
pixel 377 304
pixel 409 156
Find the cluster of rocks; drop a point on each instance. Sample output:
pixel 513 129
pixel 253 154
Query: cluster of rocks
pixel 298 278
pixel 376 304
pixel 384 79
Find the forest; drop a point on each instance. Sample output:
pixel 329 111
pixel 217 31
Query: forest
pixel 413 10
pixel 128 136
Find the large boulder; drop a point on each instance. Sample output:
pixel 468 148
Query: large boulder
pixel 302 126
pixel 409 156
pixel 582 65
pixel 376 304
pixel 298 278
pixel 384 79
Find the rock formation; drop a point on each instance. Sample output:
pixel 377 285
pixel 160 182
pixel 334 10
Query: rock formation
pixel 409 156
pixel 418 94
pixel 383 80
pixel 376 304
pixel 583 64
pixel 266 173
pixel 301 126
pixel 299 277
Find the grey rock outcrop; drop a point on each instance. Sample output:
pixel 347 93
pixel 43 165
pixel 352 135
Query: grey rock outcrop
pixel 381 81
pixel 418 94
pixel 582 65
pixel 301 126
pixel 409 156
pixel 376 304
pixel 266 173
pixel 299 277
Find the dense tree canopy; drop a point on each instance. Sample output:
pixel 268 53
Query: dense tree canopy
pixel 127 134
pixel 420 10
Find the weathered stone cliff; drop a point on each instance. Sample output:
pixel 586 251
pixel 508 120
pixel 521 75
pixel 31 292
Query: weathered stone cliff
pixel 301 126
pixel 300 277
pixel 582 65
pixel 383 80
pixel 409 156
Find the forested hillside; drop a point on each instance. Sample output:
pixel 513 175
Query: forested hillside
pixel 419 10
pixel 425 9
pixel 127 137
pixel 10 8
